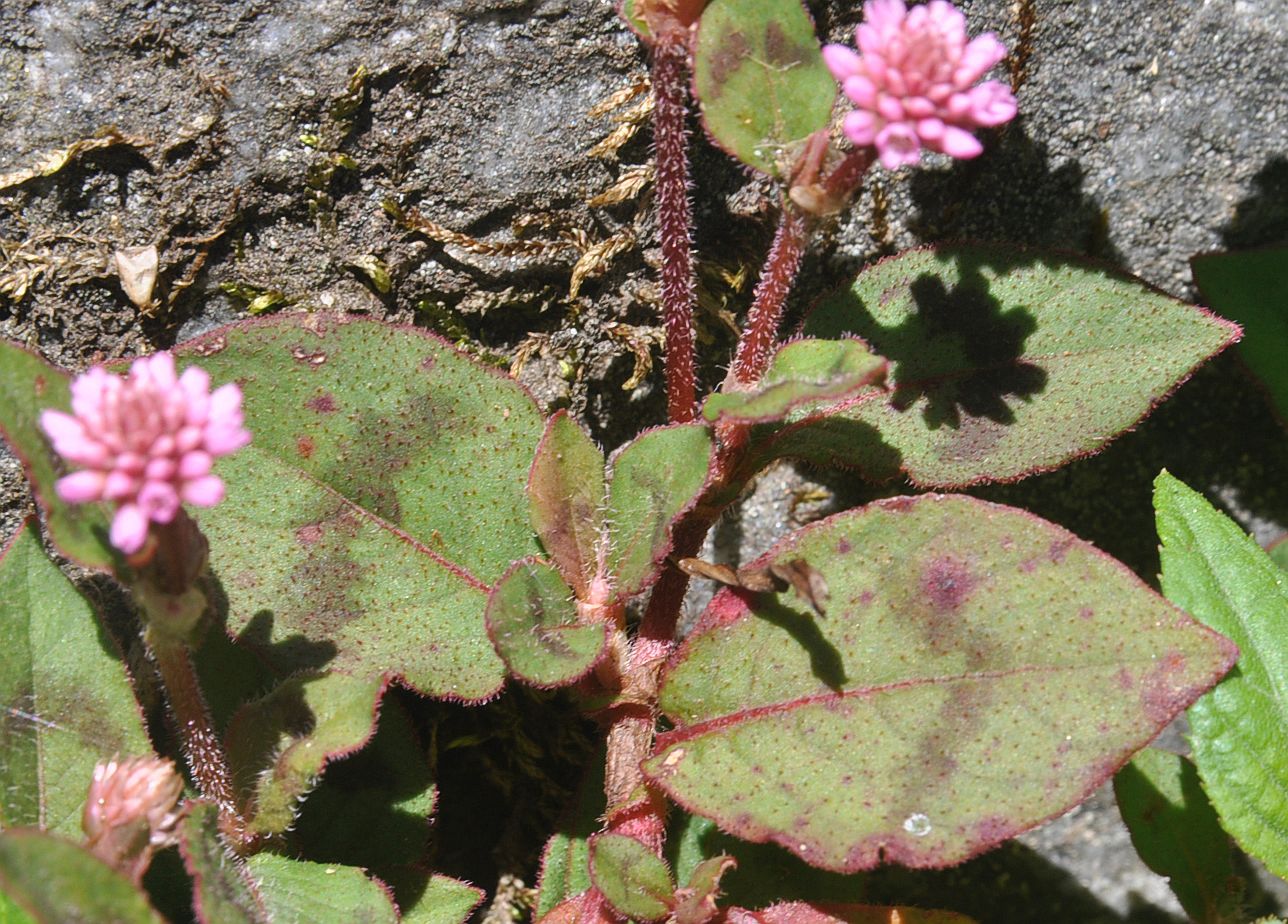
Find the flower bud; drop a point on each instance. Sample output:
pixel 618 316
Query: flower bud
pixel 130 812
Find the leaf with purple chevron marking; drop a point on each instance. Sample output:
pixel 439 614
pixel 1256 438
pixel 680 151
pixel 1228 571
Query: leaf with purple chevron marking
pixel 979 671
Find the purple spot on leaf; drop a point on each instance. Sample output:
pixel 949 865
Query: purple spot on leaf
pixel 323 403
pixel 947 582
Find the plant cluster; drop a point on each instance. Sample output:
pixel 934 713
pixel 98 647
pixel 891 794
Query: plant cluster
pixel 912 682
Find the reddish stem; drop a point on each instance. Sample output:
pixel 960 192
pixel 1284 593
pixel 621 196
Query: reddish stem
pixel 204 750
pixel 675 221
pixel 776 279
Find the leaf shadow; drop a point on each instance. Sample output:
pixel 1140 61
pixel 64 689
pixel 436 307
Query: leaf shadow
pixel 825 660
pixel 287 655
pixel 1261 218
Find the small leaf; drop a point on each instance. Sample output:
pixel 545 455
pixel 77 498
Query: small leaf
pixel 278 745
pixel 320 893
pixel 532 620
pixel 66 696
pixel 55 881
pixel 626 10
pixel 655 478
pixel 803 374
pixel 565 862
pixel 634 880
pixel 979 671
pixel 587 908
pixel 760 79
pixel 1239 731
pixel 816 913
pixel 1252 288
pixel 1003 362
pixel 1177 833
pixel 566 494
pixel 442 901
pixel 223 892
pixel 696 902
pixel 29 385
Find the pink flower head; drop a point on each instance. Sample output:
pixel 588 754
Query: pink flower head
pixel 145 442
pixel 131 811
pixel 912 82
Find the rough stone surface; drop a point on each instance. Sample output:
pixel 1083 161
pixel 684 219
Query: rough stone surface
pixel 1151 131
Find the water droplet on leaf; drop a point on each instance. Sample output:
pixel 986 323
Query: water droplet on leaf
pixel 917 824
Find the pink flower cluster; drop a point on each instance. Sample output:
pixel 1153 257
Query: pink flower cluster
pixel 145 442
pixel 912 82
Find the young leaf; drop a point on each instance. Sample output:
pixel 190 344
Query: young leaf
pixel 223 892
pixel 655 478
pixel 1252 288
pixel 1004 362
pixel 320 893
pixel 979 671
pixel 66 696
pixel 760 79
pixel 696 902
pixel 812 913
pixel 278 745
pixel 566 494
pixel 382 496
pixel 565 862
pixel 441 901
pixel 28 385
pixel 634 880
pixel 1238 731
pixel 802 374
pixel 54 881
pixel 532 620
pixel 1176 832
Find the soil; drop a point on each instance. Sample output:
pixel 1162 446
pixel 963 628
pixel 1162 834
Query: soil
pixel 385 158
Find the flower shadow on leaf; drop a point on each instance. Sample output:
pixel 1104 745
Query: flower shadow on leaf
pixel 825 661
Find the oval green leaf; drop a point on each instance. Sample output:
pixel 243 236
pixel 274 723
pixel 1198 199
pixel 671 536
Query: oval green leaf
pixel 66 695
pixel 1239 731
pixel 532 620
pixel 979 671
pixel 566 494
pixel 759 76
pixel 802 375
pixel 634 880
pixel 654 479
pixel 382 495
pixel 1003 362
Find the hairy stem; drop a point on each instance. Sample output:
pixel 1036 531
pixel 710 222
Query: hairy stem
pixel 204 750
pixel 761 333
pixel 670 143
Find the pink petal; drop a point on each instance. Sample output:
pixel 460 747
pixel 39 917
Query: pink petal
pixel 957 142
pixel 981 54
pixel 129 529
pixel 81 487
pixel 204 492
pixel 195 383
pixel 898 145
pixel 890 108
pixel 159 501
pixel 992 103
pixel 88 391
pixel 219 441
pixel 841 61
pixel 226 405
pixel 884 14
pixel 930 130
pixel 861 127
pixel 120 486
pixel 160 469
pixel 194 465
pixel 72 442
pixel 861 91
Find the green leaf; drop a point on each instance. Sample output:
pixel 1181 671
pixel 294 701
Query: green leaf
pixel 440 901
pixel 222 889
pixel 626 10
pixel 978 672
pixel 634 880
pixel 532 620
pixel 655 478
pixel 1004 362
pixel 696 902
pixel 802 375
pixel 54 881
pixel 29 385
pixel 1278 552
pixel 1177 833
pixel 1252 288
pixel 384 787
pixel 278 745
pixel 66 696
pixel 565 862
pixel 816 913
pixel 320 893
pixel 760 79
pixel 566 493
pixel 1239 731
pixel 382 496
